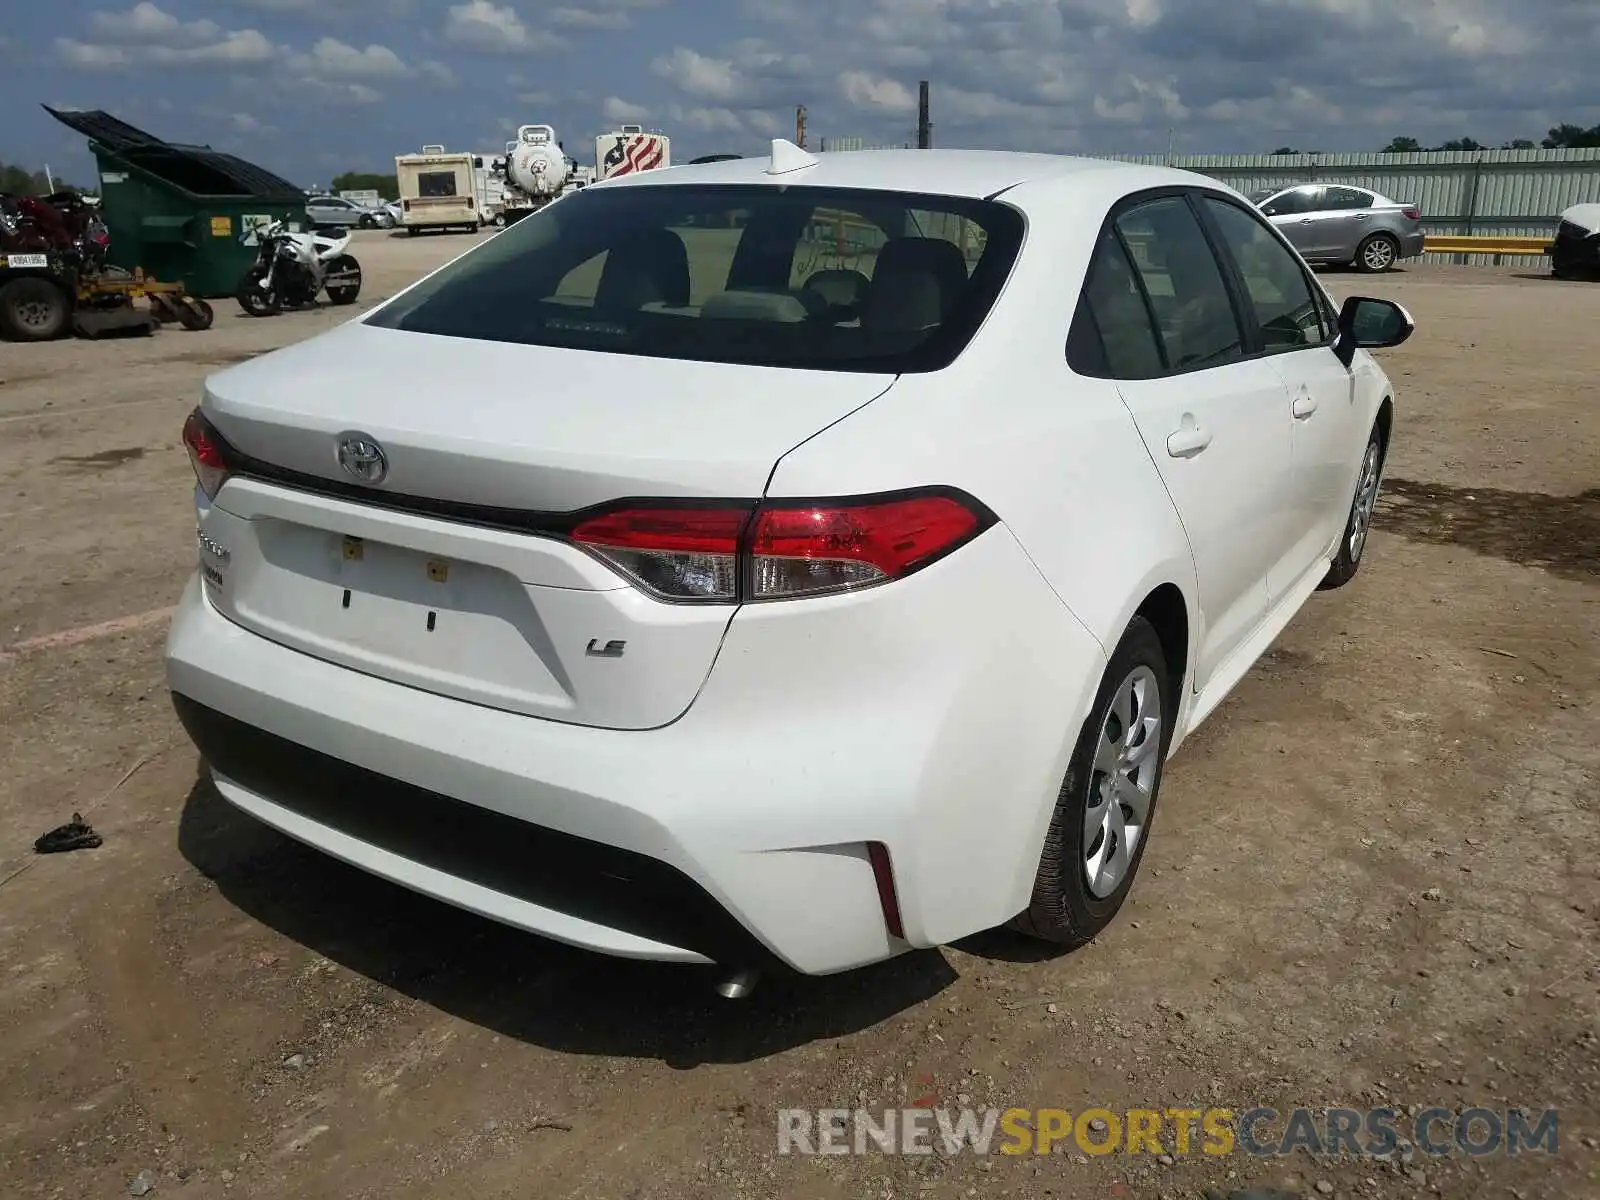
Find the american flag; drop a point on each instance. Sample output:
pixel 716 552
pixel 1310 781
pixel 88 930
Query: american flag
pixel 640 152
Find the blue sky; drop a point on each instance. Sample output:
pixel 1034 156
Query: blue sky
pixel 313 87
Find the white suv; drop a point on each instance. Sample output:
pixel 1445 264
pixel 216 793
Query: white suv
pixel 778 562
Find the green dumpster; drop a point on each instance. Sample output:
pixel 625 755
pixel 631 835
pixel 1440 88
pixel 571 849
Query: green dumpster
pixel 183 213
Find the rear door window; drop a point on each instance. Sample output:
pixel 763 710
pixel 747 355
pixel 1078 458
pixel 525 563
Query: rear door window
pixel 1344 199
pixel 1183 282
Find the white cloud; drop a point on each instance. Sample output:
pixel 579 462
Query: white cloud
pixel 613 108
pixel 599 14
pixel 145 23
pixel 866 91
pixel 240 47
pixel 588 18
pixel 491 29
pixel 439 72
pixel 698 75
pixel 333 59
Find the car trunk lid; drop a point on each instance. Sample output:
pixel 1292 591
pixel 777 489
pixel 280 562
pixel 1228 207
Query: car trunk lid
pixel 449 573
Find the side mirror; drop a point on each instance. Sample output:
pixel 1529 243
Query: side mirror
pixel 1366 323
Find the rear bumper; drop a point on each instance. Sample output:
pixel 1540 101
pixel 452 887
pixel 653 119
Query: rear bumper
pixel 1411 244
pixel 934 716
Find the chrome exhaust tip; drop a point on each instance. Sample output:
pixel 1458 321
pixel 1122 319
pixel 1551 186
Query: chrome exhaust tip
pixel 738 985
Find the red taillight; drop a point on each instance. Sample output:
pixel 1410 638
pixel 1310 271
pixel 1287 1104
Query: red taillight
pixel 1411 212
pixel 674 553
pixel 205 454
pixel 832 547
pixel 780 549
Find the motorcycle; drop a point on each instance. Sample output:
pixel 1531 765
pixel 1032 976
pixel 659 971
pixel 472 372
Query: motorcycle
pixel 292 269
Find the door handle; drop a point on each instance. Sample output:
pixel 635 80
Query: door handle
pixel 1304 405
pixel 1188 439
pixel 1360 216
pixel 1305 220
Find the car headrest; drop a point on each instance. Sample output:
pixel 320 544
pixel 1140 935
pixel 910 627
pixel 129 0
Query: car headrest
pixel 647 266
pixel 914 285
pixel 842 287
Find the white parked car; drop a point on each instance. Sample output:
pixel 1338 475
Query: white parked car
pixel 853 542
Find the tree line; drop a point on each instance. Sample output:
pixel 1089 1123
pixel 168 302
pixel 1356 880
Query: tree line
pixel 387 186
pixel 1565 136
pixel 19 181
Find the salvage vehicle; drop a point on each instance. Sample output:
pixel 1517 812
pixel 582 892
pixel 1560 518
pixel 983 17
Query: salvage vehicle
pixel 767 621
pixel 1575 252
pixel 54 277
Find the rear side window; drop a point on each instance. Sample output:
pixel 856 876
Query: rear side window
pixel 815 278
pixel 1112 333
pixel 1183 282
pixel 1275 284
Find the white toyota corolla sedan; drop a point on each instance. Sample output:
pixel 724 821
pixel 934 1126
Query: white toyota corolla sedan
pixel 783 561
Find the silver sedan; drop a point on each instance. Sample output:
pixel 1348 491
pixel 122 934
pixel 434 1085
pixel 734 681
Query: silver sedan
pixel 1336 223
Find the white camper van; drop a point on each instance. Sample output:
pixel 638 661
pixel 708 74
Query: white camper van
pixel 440 190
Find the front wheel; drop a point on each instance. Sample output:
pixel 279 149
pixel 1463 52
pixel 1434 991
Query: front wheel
pixel 1107 801
pixel 344 280
pixel 34 308
pixel 1353 541
pixel 1377 254
pixel 256 300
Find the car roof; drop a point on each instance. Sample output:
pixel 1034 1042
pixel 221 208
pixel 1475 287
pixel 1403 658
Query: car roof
pixel 965 173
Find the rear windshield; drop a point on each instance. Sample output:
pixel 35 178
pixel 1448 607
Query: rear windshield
pixel 825 279
pixel 436 185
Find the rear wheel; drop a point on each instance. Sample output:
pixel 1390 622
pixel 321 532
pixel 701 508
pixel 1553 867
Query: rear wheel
pixel 344 280
pixel 33 309
pixel 1377 254
pixel 1106 803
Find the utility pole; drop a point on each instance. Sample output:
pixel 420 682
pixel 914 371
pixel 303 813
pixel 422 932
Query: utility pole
pixel 800 126
pixel 924 126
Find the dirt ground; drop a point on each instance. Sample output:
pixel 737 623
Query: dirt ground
pixel 1374 879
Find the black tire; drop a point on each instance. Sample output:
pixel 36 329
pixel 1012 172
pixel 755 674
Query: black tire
pixel 1351 549
pixel 254 301
pixel 1377 254
pixel 346 269
pixel 366 221
pixel 411 231
pixel 195 314
pixel 1064 909
pixel 34 309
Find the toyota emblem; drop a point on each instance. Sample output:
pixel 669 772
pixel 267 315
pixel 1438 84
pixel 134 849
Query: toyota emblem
pixel 362 458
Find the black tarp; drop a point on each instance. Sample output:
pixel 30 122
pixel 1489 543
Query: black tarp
pixel 199 170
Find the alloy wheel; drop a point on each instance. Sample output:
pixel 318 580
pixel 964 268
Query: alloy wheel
pixel 1366 500
pixel 1378 254
pixel 1122 782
